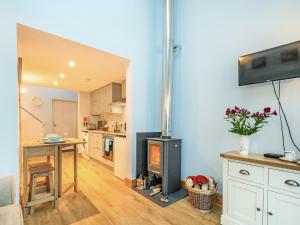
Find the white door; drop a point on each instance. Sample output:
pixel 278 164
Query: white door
pixel 64 116
pixel 120 156
pixel 283 209
pixel 245 203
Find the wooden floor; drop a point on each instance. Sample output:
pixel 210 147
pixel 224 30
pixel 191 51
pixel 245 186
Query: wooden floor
pixel 104 199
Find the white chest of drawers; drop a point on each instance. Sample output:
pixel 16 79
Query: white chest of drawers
pixel 260 191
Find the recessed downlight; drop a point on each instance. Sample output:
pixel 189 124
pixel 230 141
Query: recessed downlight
pixel 23 90
pixel 71 63
pixel 62 75
pixel 55 82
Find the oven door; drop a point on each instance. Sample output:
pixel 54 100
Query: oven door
pixel 155 157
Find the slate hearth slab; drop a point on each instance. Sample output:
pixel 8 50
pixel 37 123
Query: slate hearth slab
pixel 174 197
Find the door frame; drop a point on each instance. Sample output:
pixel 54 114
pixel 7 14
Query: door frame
pixel 66 100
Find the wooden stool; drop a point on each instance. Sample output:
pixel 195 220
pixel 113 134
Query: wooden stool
pixel 40 192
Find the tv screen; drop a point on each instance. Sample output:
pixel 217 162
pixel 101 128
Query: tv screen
pixel 282 62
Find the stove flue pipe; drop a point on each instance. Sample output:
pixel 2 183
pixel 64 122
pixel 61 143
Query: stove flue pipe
pixel 167 69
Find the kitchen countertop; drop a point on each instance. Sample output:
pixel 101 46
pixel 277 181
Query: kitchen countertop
pixel 117 134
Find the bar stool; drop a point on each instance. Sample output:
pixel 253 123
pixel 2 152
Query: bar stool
pixel 41 192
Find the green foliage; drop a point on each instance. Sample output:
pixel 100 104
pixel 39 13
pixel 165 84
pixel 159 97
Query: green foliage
pixel 245 123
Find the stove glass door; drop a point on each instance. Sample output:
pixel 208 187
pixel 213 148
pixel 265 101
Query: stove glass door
pixel 155 157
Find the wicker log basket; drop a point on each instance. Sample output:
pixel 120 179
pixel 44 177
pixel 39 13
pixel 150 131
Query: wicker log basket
pixel 201 199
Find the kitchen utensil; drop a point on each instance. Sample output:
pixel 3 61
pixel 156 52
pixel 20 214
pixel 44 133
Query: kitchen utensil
pixel 290 155
pixel 53 137
pixel 54 142
pixel 101 124
pixel 66 132
pixel 91 126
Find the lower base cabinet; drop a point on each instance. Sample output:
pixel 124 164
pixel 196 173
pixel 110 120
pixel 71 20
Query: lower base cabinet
pixel 120 157
pixel 283 209
pixel 245 203
pixel 95 145
pixel 259 194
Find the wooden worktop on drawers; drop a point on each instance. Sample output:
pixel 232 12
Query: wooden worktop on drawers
pixel 260 159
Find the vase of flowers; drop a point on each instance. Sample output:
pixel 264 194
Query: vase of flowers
pixel 246 123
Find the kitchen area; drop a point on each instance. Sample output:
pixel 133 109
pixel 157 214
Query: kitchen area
pixel 102 115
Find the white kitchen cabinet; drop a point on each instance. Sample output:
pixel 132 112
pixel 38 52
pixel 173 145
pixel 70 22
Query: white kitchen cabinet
pixel 95 145
pixel 102 98
pixel 283 209
pixel 245 203
pixel 260 191
pixel 121 156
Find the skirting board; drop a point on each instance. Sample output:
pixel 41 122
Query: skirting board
pixel 130 183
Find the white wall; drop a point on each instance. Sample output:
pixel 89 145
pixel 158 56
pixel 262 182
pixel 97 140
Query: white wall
pixel 127 28
pixel 213 34
pixel 44 111
pixel 84 107
pixel 31 128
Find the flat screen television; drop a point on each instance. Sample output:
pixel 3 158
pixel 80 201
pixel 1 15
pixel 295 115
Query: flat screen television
pixel 282 62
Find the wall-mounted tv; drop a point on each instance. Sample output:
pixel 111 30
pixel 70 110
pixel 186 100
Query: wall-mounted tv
pixel 282 62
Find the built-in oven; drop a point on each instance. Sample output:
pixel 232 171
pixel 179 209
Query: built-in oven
pixel 108 148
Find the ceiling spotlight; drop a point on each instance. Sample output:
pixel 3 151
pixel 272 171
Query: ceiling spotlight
pixel 23 90
pixel 62 75
pixel 55 83
pixel 71 63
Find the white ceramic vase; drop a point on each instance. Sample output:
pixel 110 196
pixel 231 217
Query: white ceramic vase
pixel 244 144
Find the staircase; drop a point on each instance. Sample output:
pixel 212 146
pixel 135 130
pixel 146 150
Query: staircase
pixel 31 126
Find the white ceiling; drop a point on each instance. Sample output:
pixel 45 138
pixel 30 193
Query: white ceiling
pixel 46 56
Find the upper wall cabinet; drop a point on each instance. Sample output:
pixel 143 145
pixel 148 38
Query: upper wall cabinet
pixel 102 98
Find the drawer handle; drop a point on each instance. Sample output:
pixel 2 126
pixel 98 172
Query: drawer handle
pixel 270 213
pixel 244 172
pixel 292 183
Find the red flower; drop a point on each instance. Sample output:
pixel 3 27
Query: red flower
pixel 274 113
pixel 233 111
pixel 255 115
pixel 236 108
pixel 227 112
pixel 267 109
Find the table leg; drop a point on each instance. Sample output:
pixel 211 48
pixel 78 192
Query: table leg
pixel 59 171
pixel 25 191
pixel 75 169
pixel 56 175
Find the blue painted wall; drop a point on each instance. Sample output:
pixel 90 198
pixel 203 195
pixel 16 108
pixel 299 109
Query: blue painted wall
pixel 213 34
pixel 126 28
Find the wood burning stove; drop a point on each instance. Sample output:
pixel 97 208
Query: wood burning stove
pixel 164 160
pixel 162 156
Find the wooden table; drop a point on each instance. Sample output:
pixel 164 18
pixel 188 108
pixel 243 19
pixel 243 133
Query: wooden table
pixel 39 149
